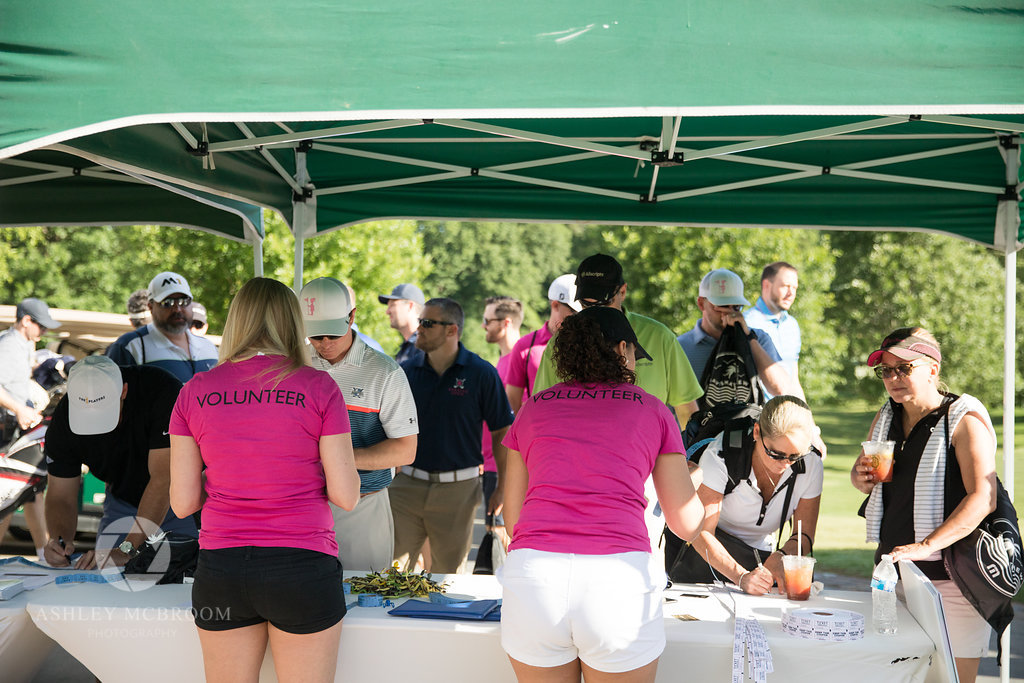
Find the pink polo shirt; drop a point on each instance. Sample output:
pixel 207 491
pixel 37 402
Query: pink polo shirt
pixel 486 445
pixel 589 450
pixel 525 359
pixel 259 439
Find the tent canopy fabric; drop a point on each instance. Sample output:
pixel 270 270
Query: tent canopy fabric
pixel 47 187
pixel 866 115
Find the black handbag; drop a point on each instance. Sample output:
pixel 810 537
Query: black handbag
pixel 484 554
pixel 171 555
pixel 987 565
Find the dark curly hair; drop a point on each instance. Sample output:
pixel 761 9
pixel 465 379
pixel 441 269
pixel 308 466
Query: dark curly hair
pixel 582 355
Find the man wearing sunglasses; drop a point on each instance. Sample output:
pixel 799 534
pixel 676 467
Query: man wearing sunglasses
pixel 168 342
pixel 456 392
pixel 382 414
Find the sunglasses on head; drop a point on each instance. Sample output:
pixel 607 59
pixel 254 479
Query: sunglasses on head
pixel 776 455
pixel 427 323
pixel 903 369
pixel 176 303
pixel 325 337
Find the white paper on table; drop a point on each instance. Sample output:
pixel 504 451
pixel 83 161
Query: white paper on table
pixel 31 580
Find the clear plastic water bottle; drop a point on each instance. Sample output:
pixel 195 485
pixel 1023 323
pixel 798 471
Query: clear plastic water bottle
pixel 883 597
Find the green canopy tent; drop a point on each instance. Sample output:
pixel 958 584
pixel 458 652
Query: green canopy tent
pixel 866 115
pixel 46 187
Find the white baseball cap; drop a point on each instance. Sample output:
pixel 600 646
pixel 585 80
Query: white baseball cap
pixel 722 288
pixel 563 290
pixel 166 284
pixel 94 395
pixel 326 305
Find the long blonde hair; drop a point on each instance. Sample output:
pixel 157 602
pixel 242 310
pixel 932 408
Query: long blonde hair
pixel 264 317
pixel 784 416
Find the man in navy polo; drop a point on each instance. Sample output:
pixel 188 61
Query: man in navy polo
pixel 455 391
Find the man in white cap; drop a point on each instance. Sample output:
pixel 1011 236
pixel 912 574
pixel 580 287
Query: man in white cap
pixel 200 323
pixel 527 352
pixel 720 300
pixel 405 303
pixel 168 341
pixel 381 411
pixel 113 420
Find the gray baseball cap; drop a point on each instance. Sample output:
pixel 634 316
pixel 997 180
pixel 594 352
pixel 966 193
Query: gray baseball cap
pixel 403 291
pixel 38 311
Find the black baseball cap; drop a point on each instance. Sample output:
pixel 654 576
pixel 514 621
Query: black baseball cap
pixel 615 327
pixel 598 278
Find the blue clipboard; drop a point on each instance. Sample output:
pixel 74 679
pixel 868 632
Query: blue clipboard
pixel 473 610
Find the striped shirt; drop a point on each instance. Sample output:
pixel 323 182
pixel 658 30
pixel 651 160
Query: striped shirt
pixel 148 346
pixel 380 403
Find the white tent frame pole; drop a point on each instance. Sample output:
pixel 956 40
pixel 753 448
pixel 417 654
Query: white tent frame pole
pixel 303 217
pixel 572 143
pixel 265 153
pixel 1009 222
pixel 976 123
pixel 302 135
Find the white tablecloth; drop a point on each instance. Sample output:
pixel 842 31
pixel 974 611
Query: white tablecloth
pixel 117 634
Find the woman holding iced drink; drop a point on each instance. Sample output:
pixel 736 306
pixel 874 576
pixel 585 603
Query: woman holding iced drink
pixel 771 494
pixel 582 592
pixel 906 515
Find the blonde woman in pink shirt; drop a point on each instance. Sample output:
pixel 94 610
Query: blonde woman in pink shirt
pixel 261 442
pixel 582 592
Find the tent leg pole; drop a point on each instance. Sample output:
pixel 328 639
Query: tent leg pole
pixel 1009 356
pixel 299 243
pixel 257 259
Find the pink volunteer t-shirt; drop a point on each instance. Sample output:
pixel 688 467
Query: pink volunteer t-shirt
pixel 259 440
pixel 525 359
pixel 486 445
pixel 589 451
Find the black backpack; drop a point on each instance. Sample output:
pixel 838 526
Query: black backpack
pixel 730 390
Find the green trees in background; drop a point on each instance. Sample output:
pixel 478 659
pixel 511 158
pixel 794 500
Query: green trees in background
pixel 854 286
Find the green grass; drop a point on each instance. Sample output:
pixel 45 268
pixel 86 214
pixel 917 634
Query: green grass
pixel 839 545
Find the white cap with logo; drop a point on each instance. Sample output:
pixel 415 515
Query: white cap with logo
pixel 563 290
pixel 166 284
pixel 326 305
pixel 94 395
pixel 722 288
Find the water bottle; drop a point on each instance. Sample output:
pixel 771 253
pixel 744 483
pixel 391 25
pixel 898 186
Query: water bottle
pixel 883 597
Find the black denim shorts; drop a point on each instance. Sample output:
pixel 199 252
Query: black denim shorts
pixel 297 591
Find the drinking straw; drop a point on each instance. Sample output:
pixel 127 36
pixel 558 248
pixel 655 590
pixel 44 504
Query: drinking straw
pixel 799 537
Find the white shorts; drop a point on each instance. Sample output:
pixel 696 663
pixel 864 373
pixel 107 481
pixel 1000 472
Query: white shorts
pixel 969 633
pixel 603 609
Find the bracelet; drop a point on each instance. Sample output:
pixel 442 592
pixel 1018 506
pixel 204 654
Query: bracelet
pixel 751 336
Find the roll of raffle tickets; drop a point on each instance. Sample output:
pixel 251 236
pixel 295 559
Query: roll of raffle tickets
pixel 824 624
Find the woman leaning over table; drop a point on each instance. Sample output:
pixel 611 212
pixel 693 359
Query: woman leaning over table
pixel 582 593
pixel 897 518
pixel 772 494
pixel 274 438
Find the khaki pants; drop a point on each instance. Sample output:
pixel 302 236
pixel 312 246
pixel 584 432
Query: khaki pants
pixel 444 513
pixel 366 533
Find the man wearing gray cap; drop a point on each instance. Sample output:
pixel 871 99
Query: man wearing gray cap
pixel 404 306
pixel 720 300
pixel 18 392
pixel 381 411
pixel 113 420
pixel 168 341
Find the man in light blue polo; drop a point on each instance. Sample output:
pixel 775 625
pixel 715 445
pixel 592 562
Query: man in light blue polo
pixel 720 299
pixel 381 411
pixel 771 313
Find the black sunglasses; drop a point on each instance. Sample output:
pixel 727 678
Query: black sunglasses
pixel 776 455
pixel 177 302
pixel 427 323
pixel 325 337
pixel 903 369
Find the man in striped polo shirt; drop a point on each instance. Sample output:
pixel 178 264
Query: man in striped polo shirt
pixel 382 413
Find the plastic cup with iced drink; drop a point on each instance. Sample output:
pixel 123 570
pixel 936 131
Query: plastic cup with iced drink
pixel 799 574
pixel 880 455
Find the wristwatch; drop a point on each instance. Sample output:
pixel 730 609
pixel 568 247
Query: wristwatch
pixel 127 548
pixel 751 336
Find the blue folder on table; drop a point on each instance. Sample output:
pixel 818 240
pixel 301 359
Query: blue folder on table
pixel 472 610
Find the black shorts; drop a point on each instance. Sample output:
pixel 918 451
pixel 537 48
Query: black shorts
pixel 297 591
